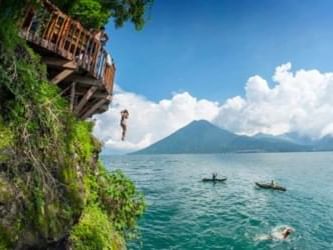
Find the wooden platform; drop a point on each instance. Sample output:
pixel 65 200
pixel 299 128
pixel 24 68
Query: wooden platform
pixel 75 57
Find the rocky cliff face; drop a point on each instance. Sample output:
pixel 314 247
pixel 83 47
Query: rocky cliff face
pixel 54 192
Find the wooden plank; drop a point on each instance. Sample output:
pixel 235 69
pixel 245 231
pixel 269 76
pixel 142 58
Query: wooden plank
pixel 55 18
pixel 96 106
pixel 109 78
pixel 63 33
pixel 49 28
pixel 96 46
pixel 62 75
pixel 61 28
pixel 58 62
pixel 86 80
pixel 78 40
pixel 72 96
pixel 97 95
pixel 85 99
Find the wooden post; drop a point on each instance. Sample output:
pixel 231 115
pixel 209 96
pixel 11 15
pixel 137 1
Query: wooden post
pixel 80 29
pixel 63 33
pixel 62 75
pixel 48 32
pixel 59 63
pixel 85 99
pixel 73 96
pixel 47 28
pixel 96 106
pixel 87 80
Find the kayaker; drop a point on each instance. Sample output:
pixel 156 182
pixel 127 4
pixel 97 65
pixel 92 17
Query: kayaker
pixel 214 176
pixel 124 115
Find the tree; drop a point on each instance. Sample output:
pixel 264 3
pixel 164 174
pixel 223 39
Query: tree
pixel 96 13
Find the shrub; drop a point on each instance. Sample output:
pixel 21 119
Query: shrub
pixel 95 232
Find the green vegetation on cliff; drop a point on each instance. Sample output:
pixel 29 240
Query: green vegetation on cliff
pixel 96 13
pixel 54 192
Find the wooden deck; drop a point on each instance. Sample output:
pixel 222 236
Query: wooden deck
pixel 75 57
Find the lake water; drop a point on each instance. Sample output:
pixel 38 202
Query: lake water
pixel 185 213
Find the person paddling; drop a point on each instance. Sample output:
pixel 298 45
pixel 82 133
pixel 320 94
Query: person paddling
pixel 124 116
pixel 214 176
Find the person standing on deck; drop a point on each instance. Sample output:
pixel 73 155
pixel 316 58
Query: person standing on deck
pixel 124 116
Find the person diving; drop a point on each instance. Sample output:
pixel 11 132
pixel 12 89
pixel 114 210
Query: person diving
pixel 124 116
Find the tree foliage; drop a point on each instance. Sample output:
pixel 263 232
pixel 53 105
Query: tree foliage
pixel 96 13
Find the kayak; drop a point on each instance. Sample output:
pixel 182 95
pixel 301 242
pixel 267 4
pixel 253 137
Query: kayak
pixel 270 186
pixel 214 180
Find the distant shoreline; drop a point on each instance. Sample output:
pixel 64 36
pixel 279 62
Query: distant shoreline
pixel 256 152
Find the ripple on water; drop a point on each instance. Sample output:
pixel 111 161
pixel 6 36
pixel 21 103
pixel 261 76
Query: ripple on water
pixel 185 213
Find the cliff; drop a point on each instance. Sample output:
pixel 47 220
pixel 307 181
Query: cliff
pixel 54 192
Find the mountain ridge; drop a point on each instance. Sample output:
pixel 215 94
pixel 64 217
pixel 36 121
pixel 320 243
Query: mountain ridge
pixel 201 136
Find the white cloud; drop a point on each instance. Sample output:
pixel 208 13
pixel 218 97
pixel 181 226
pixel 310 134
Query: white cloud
pixel 300 101
pixel 149 121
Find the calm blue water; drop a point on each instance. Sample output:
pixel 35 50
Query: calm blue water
pixel 185 213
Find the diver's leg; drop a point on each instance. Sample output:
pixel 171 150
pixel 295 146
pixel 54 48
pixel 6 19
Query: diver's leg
pixel 123 133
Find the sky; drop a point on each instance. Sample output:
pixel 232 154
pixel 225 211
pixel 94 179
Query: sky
pixel 247 66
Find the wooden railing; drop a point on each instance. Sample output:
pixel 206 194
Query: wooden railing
pixel 109 74
pixel 53 30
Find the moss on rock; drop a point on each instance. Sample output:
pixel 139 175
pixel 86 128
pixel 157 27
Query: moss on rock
pixel 53 190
